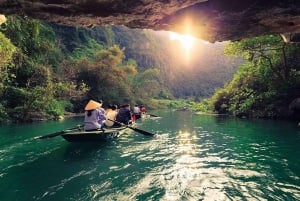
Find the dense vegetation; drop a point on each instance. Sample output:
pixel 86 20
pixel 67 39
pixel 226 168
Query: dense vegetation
pixel 195 75
pixel 266 84
pixel 47 69
pixel 41 79
pixel 207 69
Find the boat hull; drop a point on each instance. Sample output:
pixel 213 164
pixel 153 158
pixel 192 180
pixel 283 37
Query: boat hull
pixel 93 136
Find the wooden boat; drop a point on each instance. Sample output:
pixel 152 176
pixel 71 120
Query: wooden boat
pixel 144 116
pixel 92 136
pixel 77 134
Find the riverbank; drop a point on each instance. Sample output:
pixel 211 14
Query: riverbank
pixel 39 117
pixel 66 115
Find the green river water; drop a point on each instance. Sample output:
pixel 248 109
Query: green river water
pixel 192 157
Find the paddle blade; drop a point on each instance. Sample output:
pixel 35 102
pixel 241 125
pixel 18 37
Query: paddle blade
pixel 50 135
pixel 141 131
pixel 57 133
pixel 152 115
pixel 135 129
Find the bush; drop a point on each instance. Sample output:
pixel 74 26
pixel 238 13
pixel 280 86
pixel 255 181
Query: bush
pixel 3 114
pixel 55 108
pixel 14 96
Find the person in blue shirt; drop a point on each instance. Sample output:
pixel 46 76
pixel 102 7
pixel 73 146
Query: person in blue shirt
pixel 124 115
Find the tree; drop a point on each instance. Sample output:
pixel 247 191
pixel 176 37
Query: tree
pixel 266 83
pixel 107 77
pixel 7 49
pixel 146 84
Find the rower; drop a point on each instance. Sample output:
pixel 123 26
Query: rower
pixel 93 116
pixel 124 115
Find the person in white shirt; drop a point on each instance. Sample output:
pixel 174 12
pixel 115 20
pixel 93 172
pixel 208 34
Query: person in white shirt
pixel 111 114
pixel 137 112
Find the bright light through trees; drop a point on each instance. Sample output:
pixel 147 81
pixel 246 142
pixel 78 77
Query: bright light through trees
pixel 185 40
pixel 189 45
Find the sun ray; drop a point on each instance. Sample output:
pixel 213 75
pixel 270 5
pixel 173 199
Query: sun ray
pixel 186 40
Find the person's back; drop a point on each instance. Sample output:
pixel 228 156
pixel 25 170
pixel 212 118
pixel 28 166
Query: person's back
pixel 136 113
pixel 108 109
pixel 124 115
pixel 143 109
pixel 111 115
pixel 136 110
pixel 94 116
pixel 91 120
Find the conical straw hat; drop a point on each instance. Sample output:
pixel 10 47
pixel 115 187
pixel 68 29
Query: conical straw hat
pixel 92 105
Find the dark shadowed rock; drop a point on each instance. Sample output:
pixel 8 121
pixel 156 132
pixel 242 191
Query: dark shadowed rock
pixel 212 20
pixel 295 104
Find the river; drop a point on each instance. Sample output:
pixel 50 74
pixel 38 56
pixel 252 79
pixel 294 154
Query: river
pixel 192 157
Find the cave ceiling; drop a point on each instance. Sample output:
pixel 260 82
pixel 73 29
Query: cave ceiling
pixel 211 20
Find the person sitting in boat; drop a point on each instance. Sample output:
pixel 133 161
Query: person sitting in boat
pixel 137 112
pixel 143 109
pixel 111 115
pixel 94 116
pixel 124 115
pixel 108 109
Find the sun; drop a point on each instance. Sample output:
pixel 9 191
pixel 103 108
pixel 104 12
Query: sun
pixel 186 40
pixel 190 48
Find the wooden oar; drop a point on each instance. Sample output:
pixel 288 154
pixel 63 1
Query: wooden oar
pixel 135 129
pixel 51 135
pixel 152 115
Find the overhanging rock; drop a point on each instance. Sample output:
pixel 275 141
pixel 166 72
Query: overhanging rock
pixel 211 20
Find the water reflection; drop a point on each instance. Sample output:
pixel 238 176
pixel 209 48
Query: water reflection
pixel 198 164
pixel 192 157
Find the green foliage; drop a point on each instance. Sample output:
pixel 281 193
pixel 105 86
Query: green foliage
pixel 107 77
pixel 197 76
pixel 4 117
pixel 46 68
pixel 203 106
pixel 13 96
pixel 56 108
pixel 164 93
pixel 29 85
pixel 170 104
pixel 264 83
pixel 146 83
pixel 7 49
pixel 69 90
pixel 32 37
pixel 21 103
pixel 87 50
pixel 221 101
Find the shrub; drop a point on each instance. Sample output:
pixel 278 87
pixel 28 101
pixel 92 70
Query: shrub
pixel 55 108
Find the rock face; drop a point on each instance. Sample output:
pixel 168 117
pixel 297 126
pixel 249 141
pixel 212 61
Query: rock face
pixel 211 20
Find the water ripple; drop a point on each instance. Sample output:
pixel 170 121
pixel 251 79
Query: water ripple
pixel 191 158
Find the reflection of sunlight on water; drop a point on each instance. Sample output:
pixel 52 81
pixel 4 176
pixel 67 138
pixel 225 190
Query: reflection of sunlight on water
pixel 185 143
pixel 188 160
pixel 190 177
pixel 189 165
